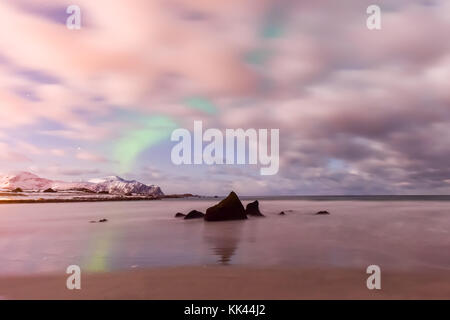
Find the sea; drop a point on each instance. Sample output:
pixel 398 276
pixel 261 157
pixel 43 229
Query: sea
pixel 394 232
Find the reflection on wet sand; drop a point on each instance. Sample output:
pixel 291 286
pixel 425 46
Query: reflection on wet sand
pixel 224 254
pixel 223 239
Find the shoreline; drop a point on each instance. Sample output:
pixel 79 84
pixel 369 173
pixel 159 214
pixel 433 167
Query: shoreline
pixel 378 198
pixel 230 282
pixel 100 199
pixel 29 201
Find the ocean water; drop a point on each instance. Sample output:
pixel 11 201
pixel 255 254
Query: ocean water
pixel 394 233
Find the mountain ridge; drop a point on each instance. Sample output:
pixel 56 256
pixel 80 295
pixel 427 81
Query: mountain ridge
pixel 111 184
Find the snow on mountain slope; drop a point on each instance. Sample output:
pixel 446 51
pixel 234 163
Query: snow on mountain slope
pixel 117 185
pixel 24 180
pixel 113 185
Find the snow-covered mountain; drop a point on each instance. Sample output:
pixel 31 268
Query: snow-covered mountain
pixel 25 181
pixel 117 185
pixel 113 185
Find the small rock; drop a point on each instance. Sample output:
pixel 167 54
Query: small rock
pixel 17 190
pixel 180 215
pixel 323 212
pixel 103 220
pixel 252 209
pixel 49 190
pixel 194 214
pixel 282 213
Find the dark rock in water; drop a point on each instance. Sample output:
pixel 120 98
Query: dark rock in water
pixel 179 215
pixel 252 209
pixel 101 220
pixel 49 190
pixel 17 190
pixel 322 212
pixel 194 214
pixel 282 213
pixel 230 208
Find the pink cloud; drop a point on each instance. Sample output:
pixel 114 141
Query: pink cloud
pixel 84 155
pixel 58 152
pixel 334 88
pixel 8 154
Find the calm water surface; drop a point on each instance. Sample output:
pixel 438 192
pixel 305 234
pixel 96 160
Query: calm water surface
pixel 413 235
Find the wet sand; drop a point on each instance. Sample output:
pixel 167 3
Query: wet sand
pixel 231 282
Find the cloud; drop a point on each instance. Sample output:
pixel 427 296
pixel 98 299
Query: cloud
pixel 8 154
pixel 58 152
pixel 54 171
pixel 374 101
pixel 77 172
pixel 28 148
pixel 88 156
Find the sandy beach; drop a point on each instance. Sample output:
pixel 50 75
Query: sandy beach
pixel 218 282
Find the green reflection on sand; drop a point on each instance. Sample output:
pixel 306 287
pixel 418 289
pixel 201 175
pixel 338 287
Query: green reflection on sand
pixel 101 250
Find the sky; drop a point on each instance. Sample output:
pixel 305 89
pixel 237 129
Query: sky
pixel 359 111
